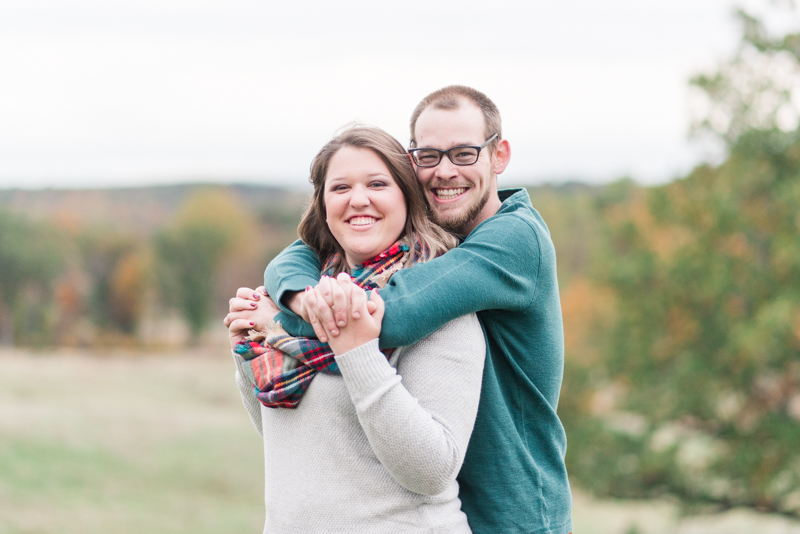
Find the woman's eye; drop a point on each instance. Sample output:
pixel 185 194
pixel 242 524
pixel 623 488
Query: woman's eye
pixel 338 188
pixel 378 184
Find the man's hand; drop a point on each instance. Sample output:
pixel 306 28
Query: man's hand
pixel 294 301
pixel 248 310
pixel 350 302
pixel 329 310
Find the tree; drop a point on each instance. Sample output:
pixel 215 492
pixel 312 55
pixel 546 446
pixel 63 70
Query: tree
pixel 117 265
pixel 30 259
pixel 699 395
pixel 189 252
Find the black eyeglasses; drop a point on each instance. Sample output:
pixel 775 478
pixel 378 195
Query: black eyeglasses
pixel 459 155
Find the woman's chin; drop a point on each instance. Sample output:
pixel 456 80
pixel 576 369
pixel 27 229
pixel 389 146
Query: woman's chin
pixel 358 255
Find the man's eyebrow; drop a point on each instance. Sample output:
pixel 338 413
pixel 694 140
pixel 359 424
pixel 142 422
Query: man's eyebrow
pixel 451 146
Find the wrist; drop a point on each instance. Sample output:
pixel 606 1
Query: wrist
pixel 294 301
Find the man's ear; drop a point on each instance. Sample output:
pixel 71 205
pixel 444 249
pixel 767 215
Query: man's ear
pixel 502 155
pixel 413 163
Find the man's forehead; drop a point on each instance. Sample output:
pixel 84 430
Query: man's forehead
pixel 462 126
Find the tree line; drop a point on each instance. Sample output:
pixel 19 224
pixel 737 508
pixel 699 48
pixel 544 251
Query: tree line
pixel 98 285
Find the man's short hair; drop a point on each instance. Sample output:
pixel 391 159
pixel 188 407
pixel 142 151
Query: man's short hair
pixel 451 97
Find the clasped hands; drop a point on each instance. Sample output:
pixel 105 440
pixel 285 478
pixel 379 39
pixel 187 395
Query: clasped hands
pixel 338 310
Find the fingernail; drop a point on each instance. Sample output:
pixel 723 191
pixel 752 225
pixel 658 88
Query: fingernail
pixel 356 315
pixel 256 296
pixel 341 323
pixel 308 288
pixel 252 324
pixel 253 305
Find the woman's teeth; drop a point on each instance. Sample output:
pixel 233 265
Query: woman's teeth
pixel 362 221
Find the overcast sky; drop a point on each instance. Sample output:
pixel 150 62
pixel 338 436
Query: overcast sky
pixel 101 93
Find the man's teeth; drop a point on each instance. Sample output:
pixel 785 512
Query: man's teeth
pixel 362 221
pixel 447 194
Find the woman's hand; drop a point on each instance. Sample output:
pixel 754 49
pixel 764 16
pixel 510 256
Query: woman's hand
pixel 249 310
pixel 341 297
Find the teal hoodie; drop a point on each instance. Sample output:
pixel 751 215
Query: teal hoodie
pixel 513 479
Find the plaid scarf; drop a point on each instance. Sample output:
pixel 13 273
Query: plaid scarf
pixel 281 366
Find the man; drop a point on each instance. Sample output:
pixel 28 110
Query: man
pixel 513 478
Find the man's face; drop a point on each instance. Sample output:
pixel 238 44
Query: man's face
pixel 458 195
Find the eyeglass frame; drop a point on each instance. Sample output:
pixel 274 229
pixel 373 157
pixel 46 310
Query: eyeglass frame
pixel 447 152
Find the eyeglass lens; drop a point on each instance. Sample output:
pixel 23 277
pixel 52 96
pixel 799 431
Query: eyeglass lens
pixel 459 155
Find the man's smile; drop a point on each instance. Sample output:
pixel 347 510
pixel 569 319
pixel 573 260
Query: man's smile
pixel 448 193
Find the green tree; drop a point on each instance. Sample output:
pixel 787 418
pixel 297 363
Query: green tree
pixel 699 393
pixel 190 252
pixel 116 264
pixel 31 258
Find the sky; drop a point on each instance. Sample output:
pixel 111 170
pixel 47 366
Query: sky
pixel 126 93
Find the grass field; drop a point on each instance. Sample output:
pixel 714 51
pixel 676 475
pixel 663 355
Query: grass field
pixel 160 443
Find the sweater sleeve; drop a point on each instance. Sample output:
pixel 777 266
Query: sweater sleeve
pixel 248 393
pixel 296 267
pixel 418 418
pixel 496 268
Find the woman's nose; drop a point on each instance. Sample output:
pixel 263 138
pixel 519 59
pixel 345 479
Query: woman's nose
pixel 359 197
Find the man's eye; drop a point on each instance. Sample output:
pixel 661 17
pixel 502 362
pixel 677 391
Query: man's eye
pixel 463 155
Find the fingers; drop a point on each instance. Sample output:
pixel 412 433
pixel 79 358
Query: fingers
pixel 241 314
pixel 341 298
pixel 358 302
pixel 325 291
pixel 238 304
pixel 250 294
pixel 238 331
pixel 310 305
pixel 240 325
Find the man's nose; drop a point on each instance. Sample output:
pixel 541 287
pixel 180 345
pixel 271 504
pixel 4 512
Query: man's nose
pixel 446 169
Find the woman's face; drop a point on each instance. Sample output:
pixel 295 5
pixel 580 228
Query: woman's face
pixel 366 209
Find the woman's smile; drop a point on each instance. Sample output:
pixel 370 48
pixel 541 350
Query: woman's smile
pixel 362 221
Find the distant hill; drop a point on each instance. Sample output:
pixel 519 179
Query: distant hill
pixel 141 210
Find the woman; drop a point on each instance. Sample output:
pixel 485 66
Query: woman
pixel 378 448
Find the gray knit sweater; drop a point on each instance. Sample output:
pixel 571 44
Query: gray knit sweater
pixel 377 449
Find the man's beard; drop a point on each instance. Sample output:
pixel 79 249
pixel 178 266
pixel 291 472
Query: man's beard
pixel 458 223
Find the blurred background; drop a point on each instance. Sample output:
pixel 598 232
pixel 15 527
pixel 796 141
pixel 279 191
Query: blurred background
pixel 154 158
